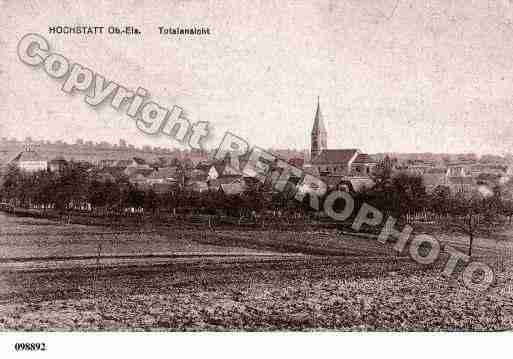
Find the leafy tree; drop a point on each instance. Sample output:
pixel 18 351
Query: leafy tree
pixel 382 173
pixel 438 201
pixel 71 187
pixel 396 196
pixel 133 197
pixel 11 187
pixel 151 200
pixel 101 194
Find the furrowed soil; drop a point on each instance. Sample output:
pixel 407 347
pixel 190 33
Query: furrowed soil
pixel 307 281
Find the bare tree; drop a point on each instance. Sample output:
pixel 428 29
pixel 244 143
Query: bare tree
pixel 471 213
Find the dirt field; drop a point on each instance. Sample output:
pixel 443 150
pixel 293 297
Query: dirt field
pixel 308 281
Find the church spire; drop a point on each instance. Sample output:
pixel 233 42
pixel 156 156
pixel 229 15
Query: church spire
pixel 319 134
pixel 318 120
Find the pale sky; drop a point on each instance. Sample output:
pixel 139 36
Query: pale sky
pixel 392 76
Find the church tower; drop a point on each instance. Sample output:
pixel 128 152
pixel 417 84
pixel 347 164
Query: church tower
pixel 319 136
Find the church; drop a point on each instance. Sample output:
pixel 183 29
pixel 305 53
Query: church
pixel 336 162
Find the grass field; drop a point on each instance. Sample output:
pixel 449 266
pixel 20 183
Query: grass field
pixel 307 281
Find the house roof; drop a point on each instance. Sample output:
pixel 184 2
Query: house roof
pixel 488 169
pixel 107 173
pixel 28 155
pixel 137 176
pixel 203 166
pixel 105 177
pixel 223 169
pixel 232 188
pixel 164 172
pixel 296 162
pixel 139 161
pixel 361 182
pixel 488 176
pixel 433 179
pixel 230 178
pixel 219 167
pixel 357 183
pixel 197 175
pixel 342 156
pixel 163 187
pixel 123 163
pixel 460 180
pixel 225 180
pixel 461 163
pixel 364 158
pixel 132 172
pixel 58 161
pixel 332 181
pixel 436 170
pixel 311 170
pixel 197 185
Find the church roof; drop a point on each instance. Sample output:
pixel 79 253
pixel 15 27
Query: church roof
pixel 318 125
pixel 342 156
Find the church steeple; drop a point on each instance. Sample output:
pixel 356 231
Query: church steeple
pixel 319 135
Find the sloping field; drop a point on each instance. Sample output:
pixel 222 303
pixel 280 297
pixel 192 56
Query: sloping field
pixel 249 280
pixel 341 294
pixel 39 238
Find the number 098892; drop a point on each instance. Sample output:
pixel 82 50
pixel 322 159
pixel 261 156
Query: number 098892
pixel 30 346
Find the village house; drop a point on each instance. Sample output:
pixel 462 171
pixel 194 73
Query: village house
pixel 197 186
pixel 57 164
pixel 419 167
pixel 137 166
pixel 460 169
pixel 233 187
pixel 348 184
pixel 30 161
pixel 433 178
pixel 166 175
pixel 219 169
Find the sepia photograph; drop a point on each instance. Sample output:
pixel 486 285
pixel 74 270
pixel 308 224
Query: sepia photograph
pixel 255 172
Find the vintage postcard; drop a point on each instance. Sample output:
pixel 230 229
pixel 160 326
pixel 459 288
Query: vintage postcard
pixel 241 166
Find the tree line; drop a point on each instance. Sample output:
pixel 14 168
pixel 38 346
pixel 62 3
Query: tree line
pixel 395 194
pixel 73 187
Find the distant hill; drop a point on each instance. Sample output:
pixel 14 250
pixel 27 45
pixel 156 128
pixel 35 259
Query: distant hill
pixel 92 152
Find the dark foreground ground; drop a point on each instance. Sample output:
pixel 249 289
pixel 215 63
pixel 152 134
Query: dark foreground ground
pixel 310 281
pixel 342 294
